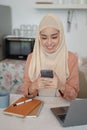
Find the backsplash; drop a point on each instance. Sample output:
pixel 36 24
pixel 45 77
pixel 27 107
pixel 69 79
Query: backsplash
pixel 25 30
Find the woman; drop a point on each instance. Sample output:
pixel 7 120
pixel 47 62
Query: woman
pixel 50 53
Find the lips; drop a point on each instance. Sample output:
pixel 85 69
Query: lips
pixel 50 47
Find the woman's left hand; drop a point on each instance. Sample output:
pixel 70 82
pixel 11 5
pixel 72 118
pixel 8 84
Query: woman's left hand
pixel 69 93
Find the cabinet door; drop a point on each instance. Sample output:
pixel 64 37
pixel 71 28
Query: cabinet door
pixel 1 49
pixel 5 27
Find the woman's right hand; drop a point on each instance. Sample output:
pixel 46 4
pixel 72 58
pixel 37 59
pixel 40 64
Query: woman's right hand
pixel 32 90
pixel 26 93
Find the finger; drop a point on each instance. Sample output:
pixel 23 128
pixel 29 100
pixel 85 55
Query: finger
pixel 28 95
pixel 51 86
pixel 46 79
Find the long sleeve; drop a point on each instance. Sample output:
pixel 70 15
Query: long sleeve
pixel 26 79
pixel 72 82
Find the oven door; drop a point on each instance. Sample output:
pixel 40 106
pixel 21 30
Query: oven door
pixel 19 48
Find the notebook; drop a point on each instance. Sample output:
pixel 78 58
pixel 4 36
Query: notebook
pixel 36 111
pixel 24 109
pixel 73 115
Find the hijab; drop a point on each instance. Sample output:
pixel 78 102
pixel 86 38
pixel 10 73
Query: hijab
pixel 56 61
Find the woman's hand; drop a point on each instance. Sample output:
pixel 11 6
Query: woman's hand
pixel 32 95
pixel 48 82
pixel 32 90
pixel 69 93
pixel 26 92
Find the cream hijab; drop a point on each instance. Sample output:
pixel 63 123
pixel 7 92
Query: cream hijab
pixel 58 60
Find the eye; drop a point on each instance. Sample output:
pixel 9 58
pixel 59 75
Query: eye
pixel 44 38
pixel 54 37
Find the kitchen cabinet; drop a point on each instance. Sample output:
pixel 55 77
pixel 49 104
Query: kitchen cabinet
pixel 5 27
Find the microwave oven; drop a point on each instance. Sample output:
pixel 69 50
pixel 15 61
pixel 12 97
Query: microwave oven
pixel 18 48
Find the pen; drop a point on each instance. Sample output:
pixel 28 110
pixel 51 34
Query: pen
pixel 19 103
pixel 28 92
pixel 61 93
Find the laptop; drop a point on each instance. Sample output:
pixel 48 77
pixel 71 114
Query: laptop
pixel 73 115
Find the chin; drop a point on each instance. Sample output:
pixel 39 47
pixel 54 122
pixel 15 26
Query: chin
pixel 50 51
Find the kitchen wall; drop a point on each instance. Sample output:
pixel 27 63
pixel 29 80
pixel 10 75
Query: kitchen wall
pixel 23 12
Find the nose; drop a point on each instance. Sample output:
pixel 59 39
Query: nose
pixel 49 41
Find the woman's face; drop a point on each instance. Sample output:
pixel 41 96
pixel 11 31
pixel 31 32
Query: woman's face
pixel 50 39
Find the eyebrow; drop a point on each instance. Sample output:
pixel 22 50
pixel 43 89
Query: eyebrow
pixel 51 34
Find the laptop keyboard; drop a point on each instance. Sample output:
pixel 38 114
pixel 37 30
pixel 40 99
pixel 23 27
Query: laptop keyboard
pixel 60 112
pixel 62 117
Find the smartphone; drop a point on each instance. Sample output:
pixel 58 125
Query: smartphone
pixel 47 73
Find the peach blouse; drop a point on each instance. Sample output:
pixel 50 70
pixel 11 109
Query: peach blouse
pixel 73 79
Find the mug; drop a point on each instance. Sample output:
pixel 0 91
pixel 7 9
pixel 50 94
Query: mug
pixel 4 99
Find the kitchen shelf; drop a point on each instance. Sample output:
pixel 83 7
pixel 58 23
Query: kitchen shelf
pixel 61 6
